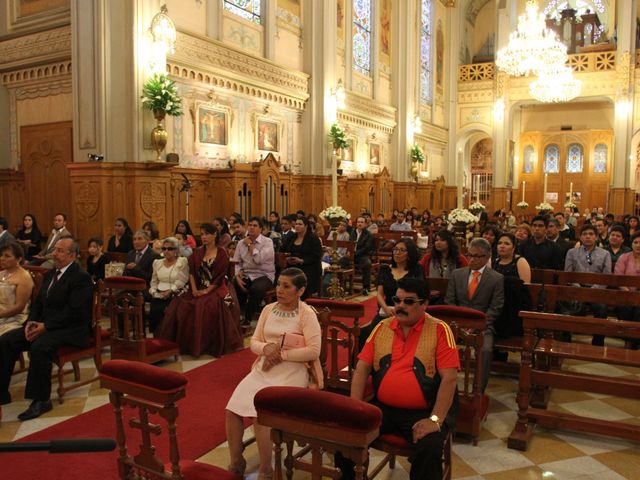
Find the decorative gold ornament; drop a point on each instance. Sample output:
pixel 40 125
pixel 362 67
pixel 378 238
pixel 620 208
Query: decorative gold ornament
pixel 159 135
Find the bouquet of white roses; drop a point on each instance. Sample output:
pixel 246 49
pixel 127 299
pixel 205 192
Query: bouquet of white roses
pixel 570 204
pixel 522 205
pixel 461 215
pixel 334 212
pixel 476 206
pixel 544 207
pixel 160 93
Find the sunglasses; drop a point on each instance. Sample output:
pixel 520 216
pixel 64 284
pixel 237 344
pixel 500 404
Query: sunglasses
pixel 407 301
pixel 164 249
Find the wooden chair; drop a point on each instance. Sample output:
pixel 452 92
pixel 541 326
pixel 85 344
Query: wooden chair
pixel 37 275
pixel 325 422
pixel 100 338
pixel 467 326
pixel 128 339
pixel 340 341
pixel 150 390
pixel 538 341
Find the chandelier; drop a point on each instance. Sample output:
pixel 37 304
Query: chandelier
pixel 163 31
pixel 532 47
pixel 555 84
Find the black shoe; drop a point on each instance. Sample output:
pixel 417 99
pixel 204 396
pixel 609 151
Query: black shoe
pixel 5 398
pixel 37 408
pixel 364 291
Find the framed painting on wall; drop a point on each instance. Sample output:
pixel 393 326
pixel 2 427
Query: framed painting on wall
pixel 374 153
pixel 212 125
pixel 268 135
pixel 348 154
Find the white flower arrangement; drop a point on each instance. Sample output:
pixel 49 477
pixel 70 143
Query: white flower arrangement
pixel 570 204
pixel 334 212
pixel 461 215
pixel 544 207
pixel 476 206
pixel 522 205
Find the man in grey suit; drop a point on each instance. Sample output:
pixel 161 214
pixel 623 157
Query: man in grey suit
pixel 45 257
pixel 481 288
pixel 5 237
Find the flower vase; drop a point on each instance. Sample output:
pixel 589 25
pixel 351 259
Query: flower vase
pixel 337 153
pixel 460 234
pixel 414 171
pixel 159 135
pixel 335 290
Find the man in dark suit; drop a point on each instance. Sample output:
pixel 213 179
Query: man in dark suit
pixel 364 249
pixel 481 288
pixel 5 237
pixel 60 315
pixel 139 261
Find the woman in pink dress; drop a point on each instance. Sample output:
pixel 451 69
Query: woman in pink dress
pixel 277 364
pixel 205 319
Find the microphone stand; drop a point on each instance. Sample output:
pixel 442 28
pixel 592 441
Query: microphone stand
pixel 186 187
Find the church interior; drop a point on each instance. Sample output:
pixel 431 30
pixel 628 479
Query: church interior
pixel 371 105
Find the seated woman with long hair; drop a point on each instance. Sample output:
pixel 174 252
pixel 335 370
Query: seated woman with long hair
pixel 305 252
pixel 205 319
pixel 224 236
pixel 184 228
pixel 444 257
pixel 122 239
pixel 29 236
pixel 154 235
pixel 277 364
pixel 16 286
pixel 170 275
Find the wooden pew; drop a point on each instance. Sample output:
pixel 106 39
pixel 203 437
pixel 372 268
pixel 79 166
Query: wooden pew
pixel 556 293
pixel 538 341
pixel 607 279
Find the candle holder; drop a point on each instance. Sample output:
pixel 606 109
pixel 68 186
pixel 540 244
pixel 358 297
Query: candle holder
pixel 335 290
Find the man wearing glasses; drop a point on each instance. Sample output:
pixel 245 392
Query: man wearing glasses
pixel 589 258
pixel 414 361
pixel 480 288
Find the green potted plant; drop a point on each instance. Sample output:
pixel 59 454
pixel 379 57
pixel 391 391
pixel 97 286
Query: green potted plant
pixel 160 95
pixel 338 138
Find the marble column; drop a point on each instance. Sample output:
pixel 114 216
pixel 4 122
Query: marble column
pixel 454 167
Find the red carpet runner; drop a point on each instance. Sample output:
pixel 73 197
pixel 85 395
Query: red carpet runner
pixel 200 428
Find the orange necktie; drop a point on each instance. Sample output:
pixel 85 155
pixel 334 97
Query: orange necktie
pixel 474 284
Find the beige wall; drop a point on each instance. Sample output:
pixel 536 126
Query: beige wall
pixel 55 108
pixel 581 116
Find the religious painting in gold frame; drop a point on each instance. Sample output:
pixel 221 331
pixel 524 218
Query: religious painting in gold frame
pixel 374 153
pixel 212 126
pixel 268 135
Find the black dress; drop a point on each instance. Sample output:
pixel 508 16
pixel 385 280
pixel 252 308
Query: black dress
pixel 126 244
pixel 310 251
pixel 36 239
pixel 96 269
pixel 516 298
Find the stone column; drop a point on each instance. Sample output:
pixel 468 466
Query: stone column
pixel 453 167
pixel 404 90
pixel 270 30
pixel 320 62
pixel 214 19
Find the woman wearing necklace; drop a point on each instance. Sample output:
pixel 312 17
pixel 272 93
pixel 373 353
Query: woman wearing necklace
pixel 170 275
pixel 16 286
pixel 29 236
pixel 287 338
pixel 205 319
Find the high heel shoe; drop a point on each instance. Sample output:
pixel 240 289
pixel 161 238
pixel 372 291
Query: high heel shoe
pixel 238 469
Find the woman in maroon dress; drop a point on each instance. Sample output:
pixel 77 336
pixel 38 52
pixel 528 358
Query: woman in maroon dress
pixel 205 319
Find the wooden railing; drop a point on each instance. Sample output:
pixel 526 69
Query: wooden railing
pixel 580 62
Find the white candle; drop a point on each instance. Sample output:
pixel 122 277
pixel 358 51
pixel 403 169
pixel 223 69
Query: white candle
pixel 523 187
pixel 478 189
pixel 571 192
pixel 544 196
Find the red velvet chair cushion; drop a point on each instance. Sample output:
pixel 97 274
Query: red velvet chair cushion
pixel 123 282
pixel 322 407
pixel 393 440
pixel 191 470
pixel 158 345
pixel 140 373
pixel 454 311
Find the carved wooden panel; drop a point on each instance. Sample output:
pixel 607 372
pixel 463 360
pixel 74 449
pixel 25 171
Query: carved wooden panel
pixel 45 150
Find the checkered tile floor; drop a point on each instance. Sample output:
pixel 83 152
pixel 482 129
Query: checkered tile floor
pixel 551 454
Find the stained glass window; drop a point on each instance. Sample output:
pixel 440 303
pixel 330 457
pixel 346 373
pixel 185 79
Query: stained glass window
pixel 527 163
pixel 551 159
pixel 425 52
pixel 247 9
pixel 362 36
pixel 600 158
pixel 574 158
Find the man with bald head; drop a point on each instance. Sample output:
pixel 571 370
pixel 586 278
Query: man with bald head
pixel 59 316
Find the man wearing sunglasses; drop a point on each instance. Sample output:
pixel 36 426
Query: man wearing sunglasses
pixel 481 288
pixel 413 360
pixel 588 258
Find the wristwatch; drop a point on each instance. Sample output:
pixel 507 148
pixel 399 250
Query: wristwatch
pixel 436 420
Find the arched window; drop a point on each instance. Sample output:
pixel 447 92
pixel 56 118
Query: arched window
pixel 600 158
pixel 551 159
pixel 247 9
pixel 575 155
pixel 425 52
pixel 528 160
pixel 362 36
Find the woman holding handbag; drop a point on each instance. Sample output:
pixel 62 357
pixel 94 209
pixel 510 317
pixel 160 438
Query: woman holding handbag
pixel 287 340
